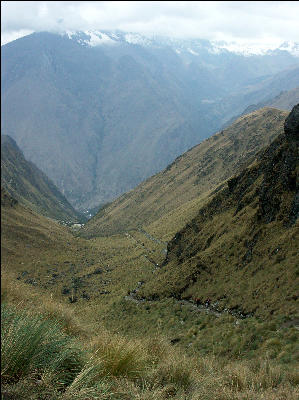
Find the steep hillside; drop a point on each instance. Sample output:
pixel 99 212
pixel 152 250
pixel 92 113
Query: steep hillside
pixel 102 116
pixel 241 250
pixel 190 176
pixel 30 186
pixel 181 353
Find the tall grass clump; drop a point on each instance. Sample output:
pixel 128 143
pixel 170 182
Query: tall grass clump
pixel 33 346
pixel 90 382
pixel 120 357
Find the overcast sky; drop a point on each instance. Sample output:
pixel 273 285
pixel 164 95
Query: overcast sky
pixel 269 22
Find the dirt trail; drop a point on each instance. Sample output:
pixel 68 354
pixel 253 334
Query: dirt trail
pixel 146 255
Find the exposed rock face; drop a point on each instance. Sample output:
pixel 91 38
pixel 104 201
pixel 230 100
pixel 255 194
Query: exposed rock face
pixel 291 126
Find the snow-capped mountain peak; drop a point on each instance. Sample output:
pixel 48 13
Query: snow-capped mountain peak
pixel 192 46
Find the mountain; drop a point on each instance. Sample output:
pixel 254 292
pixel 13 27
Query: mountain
pixel 189 177
pixel 30 186
pixel 242 246
pixel 217 319
pixel 257 92
pixel 100 112
pixel 285 100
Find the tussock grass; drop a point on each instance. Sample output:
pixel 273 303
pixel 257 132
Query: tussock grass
pixel 39 361
pixel 31 343
pixel 119 357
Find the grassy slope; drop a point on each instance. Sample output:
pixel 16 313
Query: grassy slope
pixel 29 185
pixel 225 358
pixel 241 250
pixel 42 255
pixel 189 177
pixel 40 252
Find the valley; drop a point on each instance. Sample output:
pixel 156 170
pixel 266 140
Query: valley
pixel 100 119
pixel 149 218
pixel 204 294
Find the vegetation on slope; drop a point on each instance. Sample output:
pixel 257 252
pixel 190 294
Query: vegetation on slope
pixel 169 344
pixel 29 185
pixel 241 250
pixel 190 176
pixel 137 107
pixel 62 357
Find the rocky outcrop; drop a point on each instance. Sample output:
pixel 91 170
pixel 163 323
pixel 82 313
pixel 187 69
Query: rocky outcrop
pixel 291 126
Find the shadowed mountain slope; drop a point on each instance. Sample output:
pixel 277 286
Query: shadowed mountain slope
pixel 191 175
pixel 241 250
pixel 30 186
pixel 97 120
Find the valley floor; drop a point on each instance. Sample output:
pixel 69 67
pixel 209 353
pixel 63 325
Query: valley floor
pixel 145 349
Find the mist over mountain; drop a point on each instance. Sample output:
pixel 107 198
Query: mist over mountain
pixel 99 112
pixel 285 100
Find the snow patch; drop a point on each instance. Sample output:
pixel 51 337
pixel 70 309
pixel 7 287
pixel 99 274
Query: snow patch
pixel 207 101
pixel 70 34
pixel 134 38
pixel 98 38
pixel 193 52
pixel 250 49
pixel 291 47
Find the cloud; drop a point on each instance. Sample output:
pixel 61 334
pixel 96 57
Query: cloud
pixel 214 20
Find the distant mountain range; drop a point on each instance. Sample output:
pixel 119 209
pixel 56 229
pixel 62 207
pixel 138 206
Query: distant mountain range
pixel 285 100
pixel 188 46
pixel 99 112
pixel 22 180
